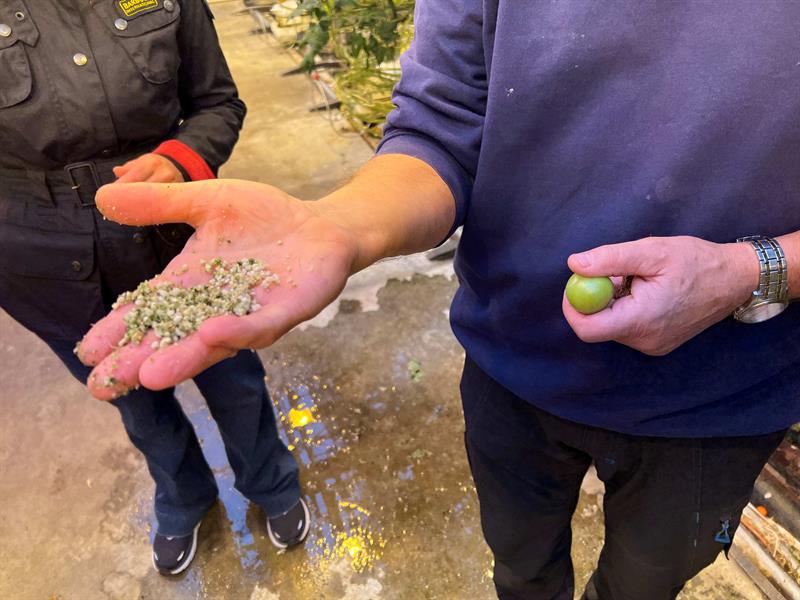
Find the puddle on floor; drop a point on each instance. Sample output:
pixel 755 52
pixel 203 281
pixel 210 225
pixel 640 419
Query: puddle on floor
pixel 382 468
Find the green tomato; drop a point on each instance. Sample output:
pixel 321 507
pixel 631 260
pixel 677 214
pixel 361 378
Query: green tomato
pixel 589 295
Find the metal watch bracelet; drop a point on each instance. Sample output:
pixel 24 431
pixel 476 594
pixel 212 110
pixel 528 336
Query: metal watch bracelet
pixel 772 295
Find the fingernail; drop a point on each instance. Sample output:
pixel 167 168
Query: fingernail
pixel 583 259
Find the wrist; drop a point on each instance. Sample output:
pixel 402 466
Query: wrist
pixel 368 243
pixel 184 176
pixel 395 205
pixel 191 163
pixel 744 268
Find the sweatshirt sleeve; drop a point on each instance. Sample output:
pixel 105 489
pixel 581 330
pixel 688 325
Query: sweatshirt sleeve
pixel 440 101
pixel 212 111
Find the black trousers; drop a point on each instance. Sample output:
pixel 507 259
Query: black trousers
pixel 670 506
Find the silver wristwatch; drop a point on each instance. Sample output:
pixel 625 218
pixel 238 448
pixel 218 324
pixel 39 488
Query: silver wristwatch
pixel 772 296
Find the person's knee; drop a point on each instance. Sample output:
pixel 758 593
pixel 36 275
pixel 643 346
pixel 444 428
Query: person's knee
pixel 234 383
pixel 149 415
pixel 524 560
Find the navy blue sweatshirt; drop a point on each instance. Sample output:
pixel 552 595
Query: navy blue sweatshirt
pixel 562 125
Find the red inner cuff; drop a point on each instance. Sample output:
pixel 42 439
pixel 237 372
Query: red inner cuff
pixel 191 161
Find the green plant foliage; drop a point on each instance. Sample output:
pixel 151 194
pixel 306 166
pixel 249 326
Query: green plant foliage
pixel 367 36
pixel 361 32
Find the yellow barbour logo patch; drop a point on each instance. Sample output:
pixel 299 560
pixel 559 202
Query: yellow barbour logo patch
pixel 131 8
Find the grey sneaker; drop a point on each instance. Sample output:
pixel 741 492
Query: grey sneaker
pixel 172 555
pixel 291 527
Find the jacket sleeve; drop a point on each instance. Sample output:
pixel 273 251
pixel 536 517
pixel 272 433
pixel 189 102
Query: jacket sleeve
pixel 441 98
pixel 212 111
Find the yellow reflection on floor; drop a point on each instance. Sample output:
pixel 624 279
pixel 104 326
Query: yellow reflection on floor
pixel 300 417
pixel 359 546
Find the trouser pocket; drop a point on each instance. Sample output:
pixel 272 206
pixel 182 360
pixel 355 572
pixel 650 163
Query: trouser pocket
pixel 674 510
pixel 129 255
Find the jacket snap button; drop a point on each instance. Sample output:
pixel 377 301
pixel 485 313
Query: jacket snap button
pixel 76 265
pixel 121 24
pixel 5 30
pixel 138 237
pixel 169 5
pixel 20 15
pixel 80 59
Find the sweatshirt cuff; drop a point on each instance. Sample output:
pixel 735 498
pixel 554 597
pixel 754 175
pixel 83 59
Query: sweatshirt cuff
pixel 441 161
pixel 188 161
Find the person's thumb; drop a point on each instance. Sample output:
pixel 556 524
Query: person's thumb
pixel 155 203
pixel 642 257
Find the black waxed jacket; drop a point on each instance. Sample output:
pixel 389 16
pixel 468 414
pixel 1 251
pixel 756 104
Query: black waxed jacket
pixel 88 79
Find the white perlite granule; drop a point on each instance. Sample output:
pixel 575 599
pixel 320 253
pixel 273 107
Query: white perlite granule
pixel 173 312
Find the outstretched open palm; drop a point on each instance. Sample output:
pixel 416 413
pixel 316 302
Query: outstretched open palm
pixel 233 220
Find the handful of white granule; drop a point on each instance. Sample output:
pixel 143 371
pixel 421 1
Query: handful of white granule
pixel 173 312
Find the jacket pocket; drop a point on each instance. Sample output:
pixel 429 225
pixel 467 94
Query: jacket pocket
pixel 17 29
pixel 48 281
pixel 149 37
pixel 31 253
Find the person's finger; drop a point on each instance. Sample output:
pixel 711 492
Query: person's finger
pixel 257 330
pixel 140 171
pixel 167 171
pixel 644 257
pixel 179 362
pixel 157 176
pixel 613 323
pixel 126 166
pixel 118 372
pixel 163 174
pixel 103 338
pixel 153 204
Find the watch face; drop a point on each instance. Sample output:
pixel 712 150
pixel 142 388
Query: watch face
pixel 762 312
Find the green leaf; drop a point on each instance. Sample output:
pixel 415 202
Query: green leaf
pixel 415 370
pixel 421 453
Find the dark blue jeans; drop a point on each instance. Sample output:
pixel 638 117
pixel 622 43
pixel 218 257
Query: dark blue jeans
pixel 266 473
pixel 61 267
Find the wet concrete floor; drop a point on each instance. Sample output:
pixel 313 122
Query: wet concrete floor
pixel 366 399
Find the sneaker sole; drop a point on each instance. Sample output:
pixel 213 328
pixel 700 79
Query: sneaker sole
pixel 187 561
pixel 298 540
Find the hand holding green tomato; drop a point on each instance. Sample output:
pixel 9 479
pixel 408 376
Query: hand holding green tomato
pixel 589 295
pixel 671 289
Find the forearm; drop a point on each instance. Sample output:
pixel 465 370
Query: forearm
pixel 213 113
pixel 395 205
pixel 791 247
pixel 419 187
pixel 213 131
